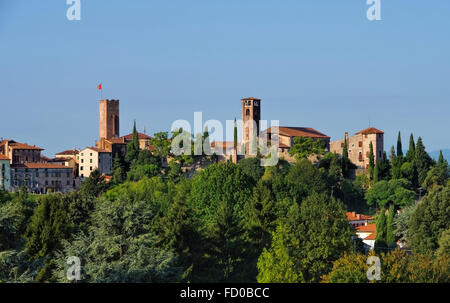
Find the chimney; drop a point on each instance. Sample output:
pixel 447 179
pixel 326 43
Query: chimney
pixel 359 217
pixel 346 136
pixel 354 214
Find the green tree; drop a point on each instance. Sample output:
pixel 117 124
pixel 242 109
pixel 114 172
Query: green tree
pixel 121 245
pixel 252 167
pixel 396 191
pixel 390 228
pixel 94 185
pixel 422 161
pixel 235 135
pixel 376 172
pixel 399 146
pixel 276 265
pixel 303 179
pixel 431 218
pixel 218 197
pixel 380 236
pixel 411 149
pixel 303 147
pixel 313 235
pixel 118 170
pixel 49 225
pixel 345 160
pixel 371 161
pixel 133 147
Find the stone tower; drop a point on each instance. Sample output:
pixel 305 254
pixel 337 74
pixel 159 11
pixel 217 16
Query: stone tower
pixel 251 111
pixel 109 119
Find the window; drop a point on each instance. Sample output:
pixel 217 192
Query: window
pixel 360 143
pixel 247 112
pixel 82 154
pixel 91 168
pixel 81 167
pixel 90 160
pixel 82 176
pixel 68 176
pixel 91 154
pixel 342 145
pixel 68 182
pixel 82 160
pixel 360 157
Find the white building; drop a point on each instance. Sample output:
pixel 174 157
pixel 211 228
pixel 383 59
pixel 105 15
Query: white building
pixel 92 158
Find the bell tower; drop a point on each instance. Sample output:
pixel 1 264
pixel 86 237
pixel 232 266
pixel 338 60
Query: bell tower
pixel 251 112
pixel 109 119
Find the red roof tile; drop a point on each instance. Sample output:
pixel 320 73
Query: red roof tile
pixel 299 132
pixel 367 228
pixel 370 237
pixel 370 130
pixel 352 216
pixel 141 136
pixel 68 152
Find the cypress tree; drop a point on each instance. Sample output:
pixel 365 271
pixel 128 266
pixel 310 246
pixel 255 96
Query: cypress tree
pixel 399 145
pixel 390 228
pixel 345 159
pixel 392 155
pixel 118 170
pixel 380 236
pixel 206 144
pixel 442 161
pixel 135 137
pixel 132 147
pixel 235 134
pixel 411 150
pixel 422 161
pixel 371 161
pixel 376 172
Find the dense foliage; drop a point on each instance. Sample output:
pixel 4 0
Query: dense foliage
pixel 156 221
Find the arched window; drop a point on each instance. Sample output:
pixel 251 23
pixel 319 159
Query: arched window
pixel 247 112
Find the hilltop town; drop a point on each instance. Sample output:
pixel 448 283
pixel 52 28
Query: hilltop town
pixel 23 165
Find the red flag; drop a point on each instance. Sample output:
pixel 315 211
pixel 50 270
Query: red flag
pixel 99 87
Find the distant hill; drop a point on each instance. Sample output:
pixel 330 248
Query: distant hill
pixel 445 152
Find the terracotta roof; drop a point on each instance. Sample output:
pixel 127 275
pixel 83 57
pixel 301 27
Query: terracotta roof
pixel 251 98
pixel 68 152
pixel 16 145
pixel 99 150
pixel 141 136
pixel 45 159
pixel 299 132
pixel 370 237
pixel 43 165
pixel 370 130
pixel 281 145
pixel 352 216
pixel 3 157
pixel 367 228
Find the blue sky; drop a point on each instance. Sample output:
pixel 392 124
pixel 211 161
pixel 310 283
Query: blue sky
pixel 315 63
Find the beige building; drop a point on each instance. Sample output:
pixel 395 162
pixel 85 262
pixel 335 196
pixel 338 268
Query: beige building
pixel 358 146
pixel 20 153
pixel 92 158
pixel 144 140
